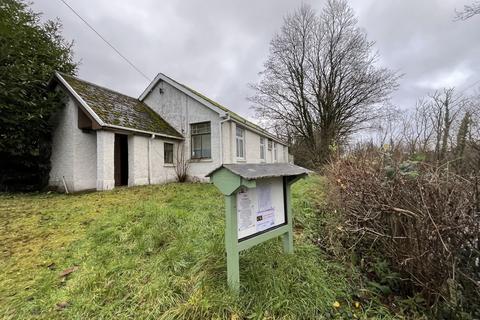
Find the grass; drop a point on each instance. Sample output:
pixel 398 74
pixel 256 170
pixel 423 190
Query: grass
pixel 158 252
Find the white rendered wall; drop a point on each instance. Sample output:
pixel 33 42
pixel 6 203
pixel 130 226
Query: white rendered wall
pixel 137 160
pixel 73 152
pixel 62 147
pixel 180 111
pixel 161 172
pixel 105 160
pixel 85 160
pixel 252 148
pixel 146 163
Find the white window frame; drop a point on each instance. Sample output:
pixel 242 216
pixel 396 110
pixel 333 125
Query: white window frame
pixel 263 151
pixel 240 140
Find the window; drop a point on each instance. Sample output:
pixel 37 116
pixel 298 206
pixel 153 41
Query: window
pixel 240 139
pixel 201 140
pixel 262 148
pixel 269 145
pixel 168 152
pixel 274 151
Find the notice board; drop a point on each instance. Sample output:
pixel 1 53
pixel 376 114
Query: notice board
pixel 261 208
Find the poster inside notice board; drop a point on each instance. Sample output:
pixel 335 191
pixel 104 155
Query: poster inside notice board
pixel 260 208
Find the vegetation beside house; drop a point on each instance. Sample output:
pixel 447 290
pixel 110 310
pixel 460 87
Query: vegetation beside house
pixel 158 252
pixel 30 52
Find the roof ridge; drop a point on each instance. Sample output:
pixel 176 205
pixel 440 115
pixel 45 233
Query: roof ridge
pixel 97 85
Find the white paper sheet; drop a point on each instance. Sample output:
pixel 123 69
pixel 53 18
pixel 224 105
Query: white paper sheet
pixel 245 210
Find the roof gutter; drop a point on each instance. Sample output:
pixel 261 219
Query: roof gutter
pixel 112 126
pixel 260 132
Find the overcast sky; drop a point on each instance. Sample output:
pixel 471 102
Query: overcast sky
pixel 218 47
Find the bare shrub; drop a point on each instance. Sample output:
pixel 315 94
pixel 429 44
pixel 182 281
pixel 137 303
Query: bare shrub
pixel 422 218
pixel 181 164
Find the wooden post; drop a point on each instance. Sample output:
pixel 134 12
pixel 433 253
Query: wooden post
pixel 288 237
pixel 231 243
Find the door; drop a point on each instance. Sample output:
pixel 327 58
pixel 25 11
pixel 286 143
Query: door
pixel 121 160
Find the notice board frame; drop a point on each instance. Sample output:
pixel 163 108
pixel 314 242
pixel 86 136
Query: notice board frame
pixel 229 179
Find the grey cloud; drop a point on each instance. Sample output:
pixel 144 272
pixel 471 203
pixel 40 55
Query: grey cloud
pixel 218 47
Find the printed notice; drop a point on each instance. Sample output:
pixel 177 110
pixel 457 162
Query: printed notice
pixel 264 195
pixel 265 219
pixel 245 211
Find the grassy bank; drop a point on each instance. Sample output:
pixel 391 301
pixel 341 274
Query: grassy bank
pixel 158 252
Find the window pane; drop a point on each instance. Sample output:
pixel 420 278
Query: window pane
pixel 206 146
pixel 240 148
pixel 200 128
pixel 240 132
pixel 196 146
pixel 168 152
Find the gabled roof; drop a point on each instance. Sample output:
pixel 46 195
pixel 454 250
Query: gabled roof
pixel 215 106
pixel 115 110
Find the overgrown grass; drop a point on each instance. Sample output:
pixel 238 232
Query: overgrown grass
pixel 158 252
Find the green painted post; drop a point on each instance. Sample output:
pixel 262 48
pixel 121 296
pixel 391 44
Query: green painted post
pixel 231 243
pixel 288 236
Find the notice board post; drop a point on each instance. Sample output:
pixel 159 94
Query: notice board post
pixel 257 208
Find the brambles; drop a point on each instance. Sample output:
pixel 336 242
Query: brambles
pixel 422 218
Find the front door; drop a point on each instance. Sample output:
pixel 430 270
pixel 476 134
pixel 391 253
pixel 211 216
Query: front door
pixel 121 160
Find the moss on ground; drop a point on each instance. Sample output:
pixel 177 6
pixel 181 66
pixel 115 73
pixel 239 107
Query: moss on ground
pixel 157 252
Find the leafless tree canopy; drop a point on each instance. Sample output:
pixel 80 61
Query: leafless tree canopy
pixel 321 82
pixel 468 11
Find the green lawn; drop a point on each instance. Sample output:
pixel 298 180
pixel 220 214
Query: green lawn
pixel 157 252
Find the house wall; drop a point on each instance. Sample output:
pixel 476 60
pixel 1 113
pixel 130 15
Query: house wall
pixel 105 160
pixel 180 111
pixel 73 152
pixel 252 148
pixel 146 163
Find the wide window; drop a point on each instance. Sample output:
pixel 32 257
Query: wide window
pixel 262 148
pixel 201 140
pixel 168 152
pixel 240 138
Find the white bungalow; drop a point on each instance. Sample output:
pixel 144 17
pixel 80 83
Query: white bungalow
pixel 104 139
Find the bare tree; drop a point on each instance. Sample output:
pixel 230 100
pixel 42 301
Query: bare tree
pixel 468 11
pixel 417 129
pixel 320 80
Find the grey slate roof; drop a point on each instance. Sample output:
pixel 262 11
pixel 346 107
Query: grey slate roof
pixel 263 170
pixel 117 109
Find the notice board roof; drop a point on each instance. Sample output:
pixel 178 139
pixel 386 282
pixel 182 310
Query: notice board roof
pixel 251 171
